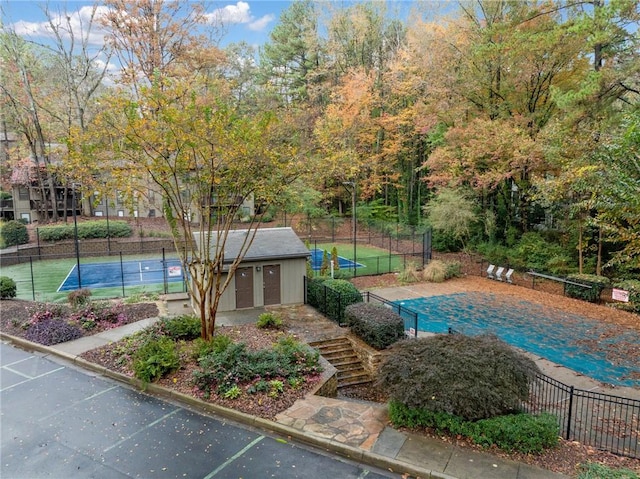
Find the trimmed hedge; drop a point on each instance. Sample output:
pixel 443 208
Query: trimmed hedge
pixel 86 230
pixel 597 283
pixel 13 233
pixel 376 325
pixel 524 433
pixel 340 294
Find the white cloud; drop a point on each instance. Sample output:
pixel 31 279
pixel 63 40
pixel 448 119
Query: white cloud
pixel 77 22
pixel 231 14
pixel 261 23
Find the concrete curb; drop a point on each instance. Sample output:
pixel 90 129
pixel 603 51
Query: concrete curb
pixel 344 450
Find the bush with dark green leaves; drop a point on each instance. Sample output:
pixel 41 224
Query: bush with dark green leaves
pixel 524 433
pixel 236 364
pixel 316 292
pixel 473 377
pixel 155 358
pixel 7 288
pixel 596 285
pixel 52 331
pixel 376 325
pixel 184 327
pixel 86 230
pixel 340 293
pixel 13 233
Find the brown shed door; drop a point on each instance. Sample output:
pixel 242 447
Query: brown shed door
pixel 271 284
pixel 244 288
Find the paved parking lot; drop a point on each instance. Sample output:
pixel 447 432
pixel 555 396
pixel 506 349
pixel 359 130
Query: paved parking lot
pixel 61 422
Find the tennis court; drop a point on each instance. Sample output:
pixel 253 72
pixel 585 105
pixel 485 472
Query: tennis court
pixel 127 273
pixel 344 263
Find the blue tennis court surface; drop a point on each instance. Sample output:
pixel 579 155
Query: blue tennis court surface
pixel 316 260
pixel 127 273
pixel 604 352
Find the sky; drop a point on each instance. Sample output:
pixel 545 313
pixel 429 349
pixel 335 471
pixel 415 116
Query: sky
pixel 250 20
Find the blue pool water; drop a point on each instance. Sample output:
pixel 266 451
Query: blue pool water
pixel 602 351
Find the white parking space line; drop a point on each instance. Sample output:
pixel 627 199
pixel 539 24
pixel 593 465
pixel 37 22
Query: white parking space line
pixel 58 411
pixel 28 378
pixel 150 425
pixel 234 457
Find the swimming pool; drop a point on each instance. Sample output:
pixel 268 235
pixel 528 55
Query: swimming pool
pixel 605 352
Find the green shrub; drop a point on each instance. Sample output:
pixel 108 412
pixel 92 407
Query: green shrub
pixel 376 325
pixel 13 233
pixel 592 294
pixel 186 327
pixel 471 377
pixel 236 364
pixel 340 294
pixel 524 433
pixel 454 269
pixel 217 344
pixel 7 287
pixel 269 321
pixel 86 230
pixel 435 271
pixel 79 297
pixel 155 358
pixel 316 292
pixel 594 470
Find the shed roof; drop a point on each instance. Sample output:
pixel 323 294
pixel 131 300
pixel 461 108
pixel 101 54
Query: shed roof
pixel 269 243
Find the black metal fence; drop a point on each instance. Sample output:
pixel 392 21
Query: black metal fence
pixel 52 277
pixel 409 316
pixel 603 421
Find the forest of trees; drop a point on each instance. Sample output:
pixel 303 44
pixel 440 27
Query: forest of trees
pixel 499 123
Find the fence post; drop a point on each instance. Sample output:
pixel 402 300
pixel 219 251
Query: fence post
pixel 164 272
pixel 122 274
pixel 38 240
pixel 567 434
pixel 33 284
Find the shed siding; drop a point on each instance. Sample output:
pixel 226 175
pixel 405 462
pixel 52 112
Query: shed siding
pixel 292 274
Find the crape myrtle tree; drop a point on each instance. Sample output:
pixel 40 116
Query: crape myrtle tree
pixel 205 159
pixel 172 124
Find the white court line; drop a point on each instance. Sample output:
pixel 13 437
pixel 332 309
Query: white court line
pixel 234 457
pixel 124 439
pixel 140 268
pixel 30 379
pixel 66 278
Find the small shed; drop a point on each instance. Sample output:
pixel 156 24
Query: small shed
pixel 272 271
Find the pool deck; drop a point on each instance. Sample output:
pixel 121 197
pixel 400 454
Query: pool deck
pixel 556 371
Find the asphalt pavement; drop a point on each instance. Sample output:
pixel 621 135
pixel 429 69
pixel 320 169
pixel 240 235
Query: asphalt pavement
pixel 58 421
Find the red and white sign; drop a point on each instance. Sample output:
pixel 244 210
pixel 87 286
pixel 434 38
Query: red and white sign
pixel 620 295
pixel 174 271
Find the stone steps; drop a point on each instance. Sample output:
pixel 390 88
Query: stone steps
pixel 339 352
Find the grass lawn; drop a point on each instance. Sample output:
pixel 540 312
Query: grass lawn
pixel 48 275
